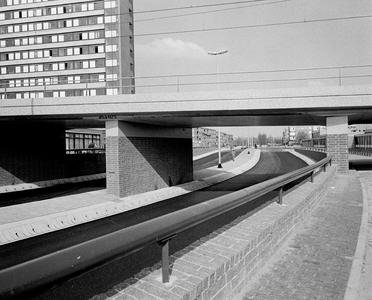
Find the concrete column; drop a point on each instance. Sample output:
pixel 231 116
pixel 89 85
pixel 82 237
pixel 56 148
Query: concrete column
pixel 142 158
pixel 337 142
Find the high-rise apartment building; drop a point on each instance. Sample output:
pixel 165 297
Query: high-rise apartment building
pixel 62 48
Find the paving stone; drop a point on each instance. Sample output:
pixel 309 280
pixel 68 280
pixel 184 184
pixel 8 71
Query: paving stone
pixel 315 262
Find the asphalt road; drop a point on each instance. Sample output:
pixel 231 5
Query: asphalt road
pixel 212 160
pixel 102 281
pixel 33 195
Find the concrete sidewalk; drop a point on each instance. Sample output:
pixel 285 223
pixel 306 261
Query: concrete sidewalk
pixel 30 219
pixel 330 255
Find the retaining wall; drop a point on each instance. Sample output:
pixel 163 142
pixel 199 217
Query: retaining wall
pixel 220 265
pixel 315 155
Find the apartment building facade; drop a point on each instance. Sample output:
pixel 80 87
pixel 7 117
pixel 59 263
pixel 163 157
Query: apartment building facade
pixel 208 138
pixel 63 48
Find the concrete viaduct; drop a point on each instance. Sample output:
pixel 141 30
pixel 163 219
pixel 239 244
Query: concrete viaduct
pixel 148 136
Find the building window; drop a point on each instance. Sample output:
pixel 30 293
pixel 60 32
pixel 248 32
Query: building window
pixel 110 19
pixel 111 48
pixel 110 33
pixel 112 77
pixel 110 4
pixel 111 63
pixel 112 91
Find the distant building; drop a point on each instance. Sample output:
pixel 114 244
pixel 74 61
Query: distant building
pixel 360 128
pixel 290 133
pixel 208 138
pixel 55 48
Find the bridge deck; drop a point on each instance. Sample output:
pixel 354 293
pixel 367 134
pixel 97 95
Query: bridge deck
pixel 271 107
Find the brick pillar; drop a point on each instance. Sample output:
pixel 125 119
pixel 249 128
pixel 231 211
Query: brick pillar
pixel 337 142
pixel 142 158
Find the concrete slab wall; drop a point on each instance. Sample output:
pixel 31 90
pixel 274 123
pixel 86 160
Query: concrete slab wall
pixel 316 156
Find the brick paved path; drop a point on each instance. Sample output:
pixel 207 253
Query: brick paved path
pixel 315 262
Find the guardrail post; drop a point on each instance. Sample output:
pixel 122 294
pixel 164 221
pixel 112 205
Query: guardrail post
pixel 280 196
pixel 165 257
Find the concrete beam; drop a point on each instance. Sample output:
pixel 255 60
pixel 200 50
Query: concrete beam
pixel 270 107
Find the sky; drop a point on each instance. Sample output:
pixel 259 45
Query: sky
pixel 268 41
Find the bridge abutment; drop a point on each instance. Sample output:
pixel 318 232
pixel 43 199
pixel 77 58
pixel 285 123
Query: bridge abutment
pixel 142 158
pixel 337 142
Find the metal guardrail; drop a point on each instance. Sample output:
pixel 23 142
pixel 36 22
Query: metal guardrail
pixel 86 151
pixel 324 150
pixel 63 265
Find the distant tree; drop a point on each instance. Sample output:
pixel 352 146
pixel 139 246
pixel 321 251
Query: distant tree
pixel 240 141
pixel 278 140
pixel 262 139
pixel 301 135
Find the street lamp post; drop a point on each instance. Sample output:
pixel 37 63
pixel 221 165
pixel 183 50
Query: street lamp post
pixel 218 88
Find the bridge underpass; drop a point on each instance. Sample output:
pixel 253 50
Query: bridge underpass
pixel 153 131
pixel 336 124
